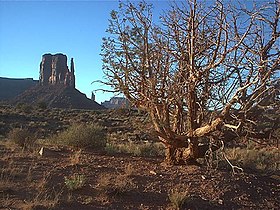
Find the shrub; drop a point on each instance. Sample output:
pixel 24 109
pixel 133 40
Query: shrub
pixel 42 105
pixel 83 136
pixel 177 197
pixel 75 181
pixel 22 137
pixel 264 159
pixel 24 107
pixel 115 184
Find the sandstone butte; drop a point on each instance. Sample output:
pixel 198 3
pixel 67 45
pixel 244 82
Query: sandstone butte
pixel 56 86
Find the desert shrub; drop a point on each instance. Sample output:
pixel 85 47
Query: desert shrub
pixel 137 149
pixel 42 105
pixel 83 136
pixel 129 170
pixel 22 137
pixel 75 181
pixel 177 197
pixel 264 159
pixel 24 107
pixel 115 185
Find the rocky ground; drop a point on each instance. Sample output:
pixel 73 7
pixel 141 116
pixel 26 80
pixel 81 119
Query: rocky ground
pixel 68 178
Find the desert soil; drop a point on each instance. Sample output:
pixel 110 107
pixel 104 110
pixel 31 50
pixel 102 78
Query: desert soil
pixel 31 181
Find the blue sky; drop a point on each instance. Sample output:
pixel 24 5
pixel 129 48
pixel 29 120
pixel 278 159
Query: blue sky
pixel 29 29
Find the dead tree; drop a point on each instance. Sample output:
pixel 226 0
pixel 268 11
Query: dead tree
pixel 194 69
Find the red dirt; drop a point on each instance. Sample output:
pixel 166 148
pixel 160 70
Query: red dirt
pixel 29 181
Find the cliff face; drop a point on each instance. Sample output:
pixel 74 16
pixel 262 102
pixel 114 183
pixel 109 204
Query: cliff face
pixel 54 70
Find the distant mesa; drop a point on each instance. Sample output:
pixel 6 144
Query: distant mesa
pixel 56 86
pixel 11 87
pixel 116 103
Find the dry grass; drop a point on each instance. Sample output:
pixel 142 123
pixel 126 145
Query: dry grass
pixel 115 185
pixel 178 197
pixel 75 158
pixel 129 170
pixel 22 137
pixel 12 175
pixel 262 159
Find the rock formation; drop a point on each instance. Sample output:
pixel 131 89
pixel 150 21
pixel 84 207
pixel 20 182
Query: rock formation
pixel 116 103
pixel 56 87
pixel 11 87
pixel 54 70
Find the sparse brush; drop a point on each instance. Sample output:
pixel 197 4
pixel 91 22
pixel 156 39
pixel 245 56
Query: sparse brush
pixel 177 197
pixel 10 172
pixel 83 136
pixel 266 160
pixel 129 170
pixel 115 184
pixel 123 184
pixel 42 105
pixel 22 137
pixel 75 181
pixel 44 199
pixel 75 158
pixel 24 108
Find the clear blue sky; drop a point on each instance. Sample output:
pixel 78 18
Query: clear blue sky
pixel 29 29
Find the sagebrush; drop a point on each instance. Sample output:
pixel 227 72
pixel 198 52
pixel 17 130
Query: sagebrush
pixel 83 136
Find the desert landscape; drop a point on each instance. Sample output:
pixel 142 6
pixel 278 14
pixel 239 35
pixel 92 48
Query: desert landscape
pixel 190 117
pixel 124 171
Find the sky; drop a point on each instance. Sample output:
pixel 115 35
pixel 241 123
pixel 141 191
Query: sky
pixel 29 29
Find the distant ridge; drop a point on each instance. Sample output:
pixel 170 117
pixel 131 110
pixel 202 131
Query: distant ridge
pixel 57 96
pixel 11 87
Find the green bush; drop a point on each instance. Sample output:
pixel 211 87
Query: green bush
pixel 75 181
pixel 83 136
pixel 22 137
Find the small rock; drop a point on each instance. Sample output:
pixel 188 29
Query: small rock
pixel 46 152
pixel 153 172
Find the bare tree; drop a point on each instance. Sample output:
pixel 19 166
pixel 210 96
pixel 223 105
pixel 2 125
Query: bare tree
pixel 196 70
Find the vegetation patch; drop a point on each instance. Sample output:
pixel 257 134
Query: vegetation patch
pixel 75 181
pixel 83 136
pixel 177 197
pixel 263 159
pixel 115 185
pixel 22 137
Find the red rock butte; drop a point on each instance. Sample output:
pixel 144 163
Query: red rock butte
pixel 54 70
